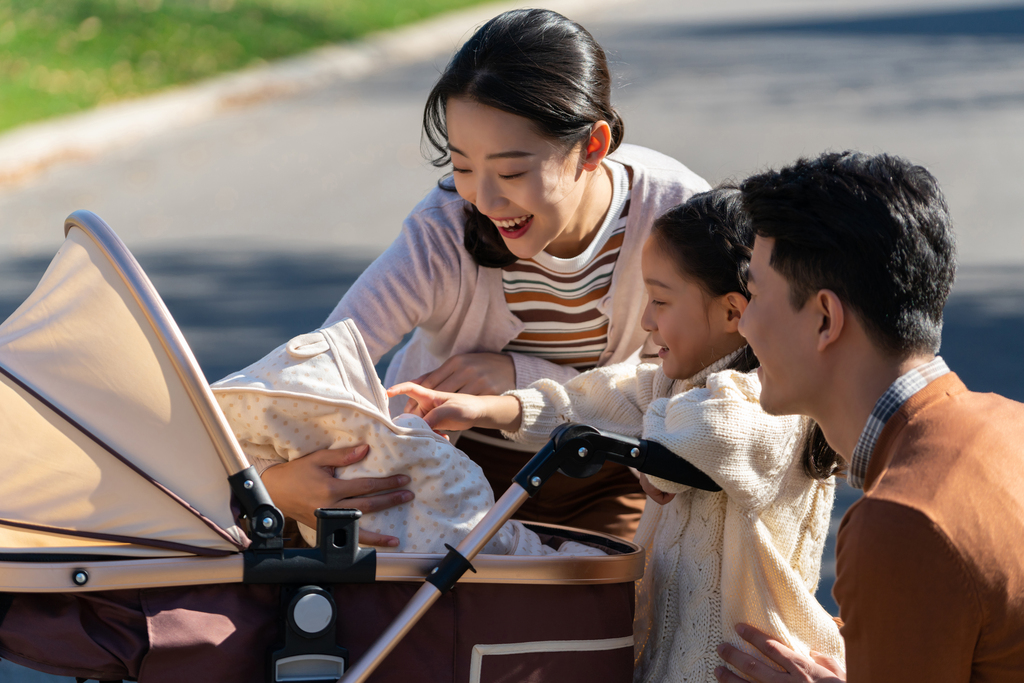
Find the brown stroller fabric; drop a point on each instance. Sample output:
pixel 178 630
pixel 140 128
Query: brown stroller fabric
pixel 478 632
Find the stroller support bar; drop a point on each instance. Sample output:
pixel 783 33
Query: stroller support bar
pixel 170 336
pixel 575 450
pixel 428 594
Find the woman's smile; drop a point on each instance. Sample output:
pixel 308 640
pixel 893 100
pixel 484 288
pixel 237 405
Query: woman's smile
pixel 513 228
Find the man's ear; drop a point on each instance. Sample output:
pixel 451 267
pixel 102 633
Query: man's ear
pixel 734 304
pixel 595 149
pixel 831 316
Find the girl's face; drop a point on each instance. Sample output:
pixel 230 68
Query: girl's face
pixel 532 189
pixel 692 330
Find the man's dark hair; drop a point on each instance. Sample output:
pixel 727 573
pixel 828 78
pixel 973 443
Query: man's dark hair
pixel 873 229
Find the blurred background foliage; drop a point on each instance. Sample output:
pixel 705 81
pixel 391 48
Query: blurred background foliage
pixel 60 56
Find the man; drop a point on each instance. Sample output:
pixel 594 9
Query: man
pixel 851 268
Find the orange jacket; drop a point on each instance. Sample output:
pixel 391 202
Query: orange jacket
pixel 930 562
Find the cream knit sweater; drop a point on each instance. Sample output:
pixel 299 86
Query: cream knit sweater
pixel 749 553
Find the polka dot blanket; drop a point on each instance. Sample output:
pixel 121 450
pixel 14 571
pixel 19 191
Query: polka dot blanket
pixel 320 390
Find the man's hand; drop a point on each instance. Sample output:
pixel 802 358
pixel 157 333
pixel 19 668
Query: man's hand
pixel 301 486
pixel 454 412
pixel 797 668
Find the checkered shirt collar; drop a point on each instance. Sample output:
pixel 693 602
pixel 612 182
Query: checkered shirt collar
pixel 894 397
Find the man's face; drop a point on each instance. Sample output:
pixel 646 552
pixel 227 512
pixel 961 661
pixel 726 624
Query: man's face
pixel 784 339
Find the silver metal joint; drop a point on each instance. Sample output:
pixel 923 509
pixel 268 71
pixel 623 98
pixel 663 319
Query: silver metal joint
pixel 434 570
pixel 536 481
pixel 582 452
pixel 80 577
pixel 268 522
pixel 634 453
pixel 248 484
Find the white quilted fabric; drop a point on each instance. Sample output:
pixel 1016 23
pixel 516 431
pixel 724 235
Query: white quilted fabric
pixel 320 390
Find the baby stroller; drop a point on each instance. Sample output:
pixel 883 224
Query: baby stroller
pixel 137 543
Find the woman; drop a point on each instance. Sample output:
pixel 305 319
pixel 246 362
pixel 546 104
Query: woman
pixel 523 264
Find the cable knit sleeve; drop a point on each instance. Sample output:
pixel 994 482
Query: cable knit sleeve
pixel 530 369
pixel 722 430
pixel 612 398
pixel 413 283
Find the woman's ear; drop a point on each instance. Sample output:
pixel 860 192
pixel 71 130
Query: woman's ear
pixel 597 145
pixel 734 304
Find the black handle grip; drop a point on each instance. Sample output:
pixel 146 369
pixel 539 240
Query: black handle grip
pixel 663 463
pixel 580 451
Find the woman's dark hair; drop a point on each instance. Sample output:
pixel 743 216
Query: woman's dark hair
pixel 532 63
pixel 711 237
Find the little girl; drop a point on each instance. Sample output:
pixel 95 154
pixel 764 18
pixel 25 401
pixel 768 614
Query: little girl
pixel 749 553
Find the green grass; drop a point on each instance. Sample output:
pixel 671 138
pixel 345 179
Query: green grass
pixel 60 56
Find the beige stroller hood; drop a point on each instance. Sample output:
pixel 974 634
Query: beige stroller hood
pixel 110 434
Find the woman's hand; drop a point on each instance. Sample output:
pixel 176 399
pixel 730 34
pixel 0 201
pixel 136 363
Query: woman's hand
pixel 301 486
pixel 653 492
pixel 454 412
pixel 797 667
pixel 480 374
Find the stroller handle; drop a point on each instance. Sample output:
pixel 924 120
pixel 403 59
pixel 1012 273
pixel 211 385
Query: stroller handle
pixel 594 446
pixel 575 450
pixel 431 591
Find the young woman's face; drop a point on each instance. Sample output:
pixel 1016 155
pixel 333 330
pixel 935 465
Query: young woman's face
pixel 530 187
pixel 692 330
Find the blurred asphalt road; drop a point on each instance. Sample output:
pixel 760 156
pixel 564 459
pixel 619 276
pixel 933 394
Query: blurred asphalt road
pixel 253 224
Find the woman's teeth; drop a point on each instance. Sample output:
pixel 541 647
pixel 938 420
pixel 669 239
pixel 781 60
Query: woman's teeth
pixel 511 223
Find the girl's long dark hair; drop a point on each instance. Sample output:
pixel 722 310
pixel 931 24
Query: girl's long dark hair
pixel 710 237
pixel 532 63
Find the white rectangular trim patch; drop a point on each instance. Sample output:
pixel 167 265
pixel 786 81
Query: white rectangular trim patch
pixel 479 651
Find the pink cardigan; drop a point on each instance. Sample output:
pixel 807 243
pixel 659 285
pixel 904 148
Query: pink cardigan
pixel 426 281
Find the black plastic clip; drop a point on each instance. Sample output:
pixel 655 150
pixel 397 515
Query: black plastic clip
pixel 266 523
pixel 310 653
pixel 445 575
pixel 336 559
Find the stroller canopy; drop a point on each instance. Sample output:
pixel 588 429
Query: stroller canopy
pixel 113 444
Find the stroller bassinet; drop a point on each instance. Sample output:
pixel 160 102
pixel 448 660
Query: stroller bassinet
pixel 136 543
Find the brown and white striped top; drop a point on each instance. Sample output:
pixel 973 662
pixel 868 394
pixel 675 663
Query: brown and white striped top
pixel 558 298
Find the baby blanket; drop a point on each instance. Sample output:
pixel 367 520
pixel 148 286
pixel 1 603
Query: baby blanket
pixel 320 390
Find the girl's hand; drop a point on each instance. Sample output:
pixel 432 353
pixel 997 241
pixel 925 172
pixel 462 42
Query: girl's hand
pixel 480 374
pixel 301 486
pixel 655 494
pixel 455 412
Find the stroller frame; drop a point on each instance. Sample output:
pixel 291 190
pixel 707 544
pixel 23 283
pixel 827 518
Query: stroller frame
pixel 575 450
